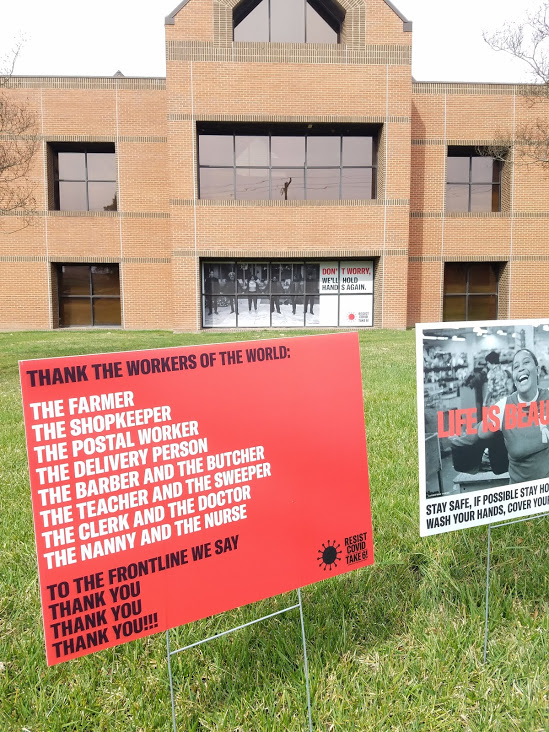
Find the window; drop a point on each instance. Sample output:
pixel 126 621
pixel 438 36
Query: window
pixel 84 177
pixel 473 181
pixel 291 162
pixel 470 291
pixel 288 21
pixel 293 294
pixel 89 295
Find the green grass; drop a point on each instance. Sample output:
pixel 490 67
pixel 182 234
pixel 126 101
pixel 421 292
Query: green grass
pixel 396 646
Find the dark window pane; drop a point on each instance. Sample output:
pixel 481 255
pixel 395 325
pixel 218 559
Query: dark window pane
pixel 251 150
pixel 74 311
pixel 102 196
pixel 455 278
pixel 358 151
pixel 72 196
pixel 482 307
pixel 482 169
pixel 481 197
pixel 458 169
pixel 288 21
pixel 74 280
pixel 287 151
pixel 72 166
pixel 101 166
pixel 75 170
pixel 291 21
pixel 469 279
pixel 290 156
pixel 113 206
pixel 318 31
pixel 255 26
pixel 457 198
pixel 496 198
pixel 105 279
pixel 252 183
pixel 215 150
pixel 323 184
pixel 288 185
pixel 483 277
pixel 357 183
pixel 217 183
pixel 106 311
pixel 76 300
pixel 454 308
pixel 323 151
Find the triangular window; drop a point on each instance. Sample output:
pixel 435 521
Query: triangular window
pixel 287 21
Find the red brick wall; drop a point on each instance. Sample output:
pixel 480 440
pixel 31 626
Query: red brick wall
pixel 476 114
pixel 132 114
pixel 368 81
pixel 161 231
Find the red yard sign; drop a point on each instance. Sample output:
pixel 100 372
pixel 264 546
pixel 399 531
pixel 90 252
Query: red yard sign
pixel 174 484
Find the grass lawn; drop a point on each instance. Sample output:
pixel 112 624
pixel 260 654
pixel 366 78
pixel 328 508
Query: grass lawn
pixel 397 646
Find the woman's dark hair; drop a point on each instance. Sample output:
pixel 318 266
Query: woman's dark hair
pixel 527 351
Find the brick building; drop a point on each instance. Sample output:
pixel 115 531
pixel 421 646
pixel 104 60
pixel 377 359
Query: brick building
pixel 287 172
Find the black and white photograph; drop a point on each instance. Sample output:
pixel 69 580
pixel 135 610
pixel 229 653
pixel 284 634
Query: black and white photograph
pixel 282 294
pixel 483 410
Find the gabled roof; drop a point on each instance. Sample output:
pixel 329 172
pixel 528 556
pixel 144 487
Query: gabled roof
pixel 170 19
pixel 407 24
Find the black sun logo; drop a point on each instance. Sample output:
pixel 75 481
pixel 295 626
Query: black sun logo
pixel 329 555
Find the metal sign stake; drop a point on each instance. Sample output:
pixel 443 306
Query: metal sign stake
pixel 497 526
pixel 171 653
pixel 487 593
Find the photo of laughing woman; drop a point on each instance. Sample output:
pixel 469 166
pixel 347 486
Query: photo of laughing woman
pixel 522 420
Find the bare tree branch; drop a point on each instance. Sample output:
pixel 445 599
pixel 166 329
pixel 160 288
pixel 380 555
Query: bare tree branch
pixel 529 146
pixel 18 145
pixel 527 41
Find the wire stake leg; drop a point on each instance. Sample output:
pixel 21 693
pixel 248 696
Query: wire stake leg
pixel 232 630
pixel 487 594
pixel 306 662
pixel 171 679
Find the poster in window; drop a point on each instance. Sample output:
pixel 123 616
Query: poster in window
pixel 356 310
pixel 328 297
pixel 219 304
pixel 247 294
pixel 483 410
pixel 355 277
pixel 329 277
